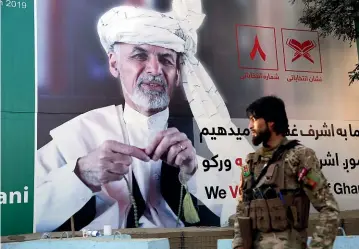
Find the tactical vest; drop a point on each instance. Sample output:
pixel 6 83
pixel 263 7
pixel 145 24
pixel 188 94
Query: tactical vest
pixel 269 205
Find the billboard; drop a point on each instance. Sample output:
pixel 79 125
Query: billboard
pixel 79 118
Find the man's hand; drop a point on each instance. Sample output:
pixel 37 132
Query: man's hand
pixel 107 163
pixel 174 148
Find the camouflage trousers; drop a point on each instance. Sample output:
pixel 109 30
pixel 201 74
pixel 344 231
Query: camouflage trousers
pixel 289 239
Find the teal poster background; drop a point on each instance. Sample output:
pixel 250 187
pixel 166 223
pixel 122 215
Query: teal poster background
pixel 17 115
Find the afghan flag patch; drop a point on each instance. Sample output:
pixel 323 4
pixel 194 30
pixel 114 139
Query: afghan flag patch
pixel 312 179
pixel 246 171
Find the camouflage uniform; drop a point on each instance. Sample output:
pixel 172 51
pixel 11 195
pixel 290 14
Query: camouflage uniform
pixel 294 161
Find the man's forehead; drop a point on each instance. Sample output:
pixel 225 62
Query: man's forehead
pixel 146 48
pixel 252 116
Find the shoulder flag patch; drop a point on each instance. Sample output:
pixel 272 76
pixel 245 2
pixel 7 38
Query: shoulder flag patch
pixel 309 177
pixel 245 171
pixel 312 179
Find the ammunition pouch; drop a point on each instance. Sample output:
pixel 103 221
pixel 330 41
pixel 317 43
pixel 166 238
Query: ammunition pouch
pixel 268 215
pixel 278 214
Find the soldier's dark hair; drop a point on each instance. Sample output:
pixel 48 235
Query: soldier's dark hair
pixel 271 109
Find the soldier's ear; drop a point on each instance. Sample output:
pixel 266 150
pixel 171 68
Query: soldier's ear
pixel 271 126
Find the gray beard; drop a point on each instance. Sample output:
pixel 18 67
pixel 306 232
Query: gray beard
pixel 150 99
pixel 147 99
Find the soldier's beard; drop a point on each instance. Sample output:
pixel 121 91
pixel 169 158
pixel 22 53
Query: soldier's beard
pixel 261 137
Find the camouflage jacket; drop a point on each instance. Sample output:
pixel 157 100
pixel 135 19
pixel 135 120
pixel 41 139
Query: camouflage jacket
pixel 320 196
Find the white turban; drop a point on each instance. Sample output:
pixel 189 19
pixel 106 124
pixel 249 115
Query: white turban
pixel 176 30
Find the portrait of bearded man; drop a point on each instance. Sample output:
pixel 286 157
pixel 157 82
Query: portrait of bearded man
pixel 127 165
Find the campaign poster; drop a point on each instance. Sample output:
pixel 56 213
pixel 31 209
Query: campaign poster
pixel 65 92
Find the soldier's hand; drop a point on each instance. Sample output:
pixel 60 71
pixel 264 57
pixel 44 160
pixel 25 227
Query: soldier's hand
pixel 107 163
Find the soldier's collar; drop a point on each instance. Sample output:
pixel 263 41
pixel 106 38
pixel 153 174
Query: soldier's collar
pixel 284 141
pixel 256 156
pixel 262 151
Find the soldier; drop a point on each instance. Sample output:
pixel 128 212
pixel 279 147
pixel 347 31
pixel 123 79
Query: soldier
pixel 280 180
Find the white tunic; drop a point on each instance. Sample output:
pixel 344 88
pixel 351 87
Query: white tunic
pixel 141 130
pixel 59 193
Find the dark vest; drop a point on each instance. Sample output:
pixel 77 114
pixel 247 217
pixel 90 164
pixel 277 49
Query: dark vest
pixel 170 190
pixel 272 207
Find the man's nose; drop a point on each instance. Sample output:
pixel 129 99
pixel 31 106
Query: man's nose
pixel 250 125
pixel 153 66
